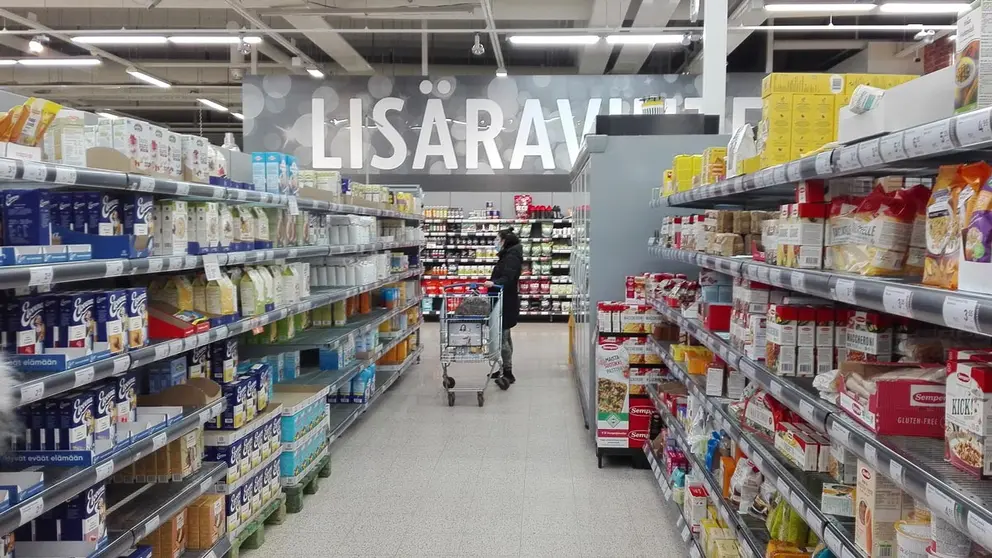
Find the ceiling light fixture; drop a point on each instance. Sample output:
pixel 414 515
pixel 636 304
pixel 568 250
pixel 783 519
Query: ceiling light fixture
pixel 37 44
pixel 923 8
pixel 501 72
pixel 8 62
pixel 214 39
pixel 120 40
pixel 147 78
pixel 819 7
pixel 238 115
pixel 73 61
pixel 315 73
pixel 628 39
pixel 108 115
pixel 828 27
pixel 213 105
pixel 554 40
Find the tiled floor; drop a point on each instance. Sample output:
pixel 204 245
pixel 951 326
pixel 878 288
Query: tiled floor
pixel 517 477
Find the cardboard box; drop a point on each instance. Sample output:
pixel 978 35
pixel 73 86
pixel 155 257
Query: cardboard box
pixel 817 83
pixel 879 506
pixel 898 407
pixel 972 69
pixel 968 408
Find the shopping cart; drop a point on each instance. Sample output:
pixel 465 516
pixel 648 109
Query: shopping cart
pixel 471 332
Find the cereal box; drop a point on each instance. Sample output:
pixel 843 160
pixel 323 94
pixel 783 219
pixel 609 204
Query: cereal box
pixel 111 321
pixel 30 333
pixel 967 416
pixel 137 317
pixel 26 215
pixel 76 327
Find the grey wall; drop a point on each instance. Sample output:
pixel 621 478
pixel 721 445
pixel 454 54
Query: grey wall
pixel 502 201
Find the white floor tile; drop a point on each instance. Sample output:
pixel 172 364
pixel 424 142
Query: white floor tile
pixel 517 477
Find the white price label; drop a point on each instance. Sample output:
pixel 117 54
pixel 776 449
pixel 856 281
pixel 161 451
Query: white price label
pixel 841 434
pixel 745 446
pixel 32 509
pixel 32 392
pixel 146 184
pixel 871 455
pixel 189 343
pixel 152 524
pixel 937 137
pixel 121 365
pixel 686 534
pixel 84 376
pixel 155 265
pixel 159 440
pixel 913 142
pixel 961 313
pixel 210 554
pixel 115 268
pixel 241 195
pixel 41 276
pixel 34 172
pixel 892 148
pixel 844 291
pixel 218 193
pixel 797 503
pixel 8 170
pixel 65 175
pixel 814 521
pixel 161 351
pixel 775 277
pixel 778 174
pixel 974 127
pixel 807 411
pixel 980 530
pixel 293 253
pixel 757 460
pixel 204 416
pixel 783 488
pixel 793 172
pixel 182 189
pixel 190 262
pixel 797 281
pixel 898 301
pixel 939 502
pixel 175 263
pixel 235 258
pixel 211 267
pixel 104 470
pixel 268 198
pixel 694 551
pixel 668 492
pixel 870 153
pixel 270 254
pixel 833 542
pixel 847 159
pixel 294 206
pixel 895 473
pixel 823 164
pixel 175 346
pixel 776 389
pixel 206 485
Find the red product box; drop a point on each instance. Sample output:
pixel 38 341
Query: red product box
pixel 825 327
pixel 716 317
pixel 979 355
pixel 811 191
pixel 903 407
pixel 641 410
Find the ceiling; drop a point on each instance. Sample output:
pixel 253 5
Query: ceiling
pixel 384 36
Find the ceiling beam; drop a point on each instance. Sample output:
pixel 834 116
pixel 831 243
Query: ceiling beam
pixel 651 14
pixel 744 15
pixel 331 43
pixel 487 12
pixel 605 13
pixel 819 44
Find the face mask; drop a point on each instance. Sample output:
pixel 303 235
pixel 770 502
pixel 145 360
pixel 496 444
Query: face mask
pixel 497 244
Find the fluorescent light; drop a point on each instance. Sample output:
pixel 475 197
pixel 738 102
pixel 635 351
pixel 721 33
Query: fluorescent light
pixel 238 115
pixel 628 39
pixel 501 72
pixel 7 62
pixel 120 40
pixel 952 38
pixel 213 105
pixel 147 78
pixel 36 46
pixel 73 61
pixel 553 40
pixel 825 7
pixel 108 115
pixel 315 73
pixel 827 27
pixel 923 8
pixel 214 39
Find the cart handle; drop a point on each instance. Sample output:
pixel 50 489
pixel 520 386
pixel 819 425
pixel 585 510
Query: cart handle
pixel 471 286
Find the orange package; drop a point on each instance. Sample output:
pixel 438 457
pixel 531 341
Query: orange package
pixel 954 193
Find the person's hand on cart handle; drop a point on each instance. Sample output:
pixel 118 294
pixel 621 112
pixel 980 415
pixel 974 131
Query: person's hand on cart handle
pixel 488 284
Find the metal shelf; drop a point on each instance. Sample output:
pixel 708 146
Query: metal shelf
pixel 793 484
pixel 695 551
pixel 36 387
pixel 33 172
pixel 139 517
pixel 498 220
pixel 907 151
pixel 49 274
pixel 61 484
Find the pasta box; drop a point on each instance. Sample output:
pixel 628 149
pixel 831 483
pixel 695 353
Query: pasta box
pixel 969 387
pixel 897 407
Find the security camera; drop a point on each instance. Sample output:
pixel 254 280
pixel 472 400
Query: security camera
pixel 686 39
pixel 244 48
pixel 917 59
pixel 478 48
pixel 925 35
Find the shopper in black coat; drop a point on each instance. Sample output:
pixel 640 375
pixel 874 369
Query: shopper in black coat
pixel 506 274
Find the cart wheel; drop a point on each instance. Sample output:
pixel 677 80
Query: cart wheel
pixel 451 399
pixel 482 399
pixel 448 382
pixel 503 383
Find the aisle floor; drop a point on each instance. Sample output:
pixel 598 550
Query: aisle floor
pixel 517 477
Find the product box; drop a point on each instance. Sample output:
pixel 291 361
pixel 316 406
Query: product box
pixel 111 321
pixel 76 422
pixel 972 69
pixel 800 448
pixel 137 211
pixel 136 321
pixel 196 164
pixel 967 415
pixel 224 360
pixel 904 407
pixel 810 83
pixel 127 397
pixel 76 326
pixel 204 227
pixel 172 223
pixel 132 140
pixel 83 518
pixel 206 521
pixel 274 165
pixel 837 499
pixel 879 506
pixel 26 218
pixel 174 156
pixel 696 502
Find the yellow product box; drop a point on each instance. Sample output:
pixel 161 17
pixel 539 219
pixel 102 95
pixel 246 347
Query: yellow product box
pixel 814 127
pixel 724 549
pixel 775 155
pixel 852 81
pixel 714 164
pixel 777 109
pixel 751 164
pixel 668 183
pixel 898 79
pixel 800 146
pixel 697 164
pixel 825 84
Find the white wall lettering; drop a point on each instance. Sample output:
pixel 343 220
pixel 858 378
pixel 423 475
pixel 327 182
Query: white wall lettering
pixel 474 136
pixel 391 134
pixel 532 118
pixel 434 119
pixel 320 158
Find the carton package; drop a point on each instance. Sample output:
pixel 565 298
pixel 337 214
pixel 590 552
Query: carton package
pixel 898 407
pixel 172 224
pixel 132 139
pixel 878 502
pixel 969 406
pixel 174 155
pixel 196 163
pixel 973 69
pixel 65 141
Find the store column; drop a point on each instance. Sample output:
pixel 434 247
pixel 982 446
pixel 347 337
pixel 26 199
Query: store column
pixel 715 59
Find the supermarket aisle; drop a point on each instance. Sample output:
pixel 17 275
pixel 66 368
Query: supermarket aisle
pixel 517 477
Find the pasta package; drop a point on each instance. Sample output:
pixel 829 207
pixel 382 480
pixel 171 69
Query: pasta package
pixel 947 211
pixel 879 235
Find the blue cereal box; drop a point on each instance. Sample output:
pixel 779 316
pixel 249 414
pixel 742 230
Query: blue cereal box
pixel 61 209
pixel 111 321
pixel 53 441
pixel 224 360
pixel 258 170
pixel 76 422
pixel 137 211
pixel 245 509
pixel 137 317
pixel 93 203
pixel 51 318
pixel 105 411
pixel 230 456
pixel 81 212
pixel 233 417
pixel 198 363
pixel 26 215
pixel 82 519
pixel 109 217
pixel 232 506
pixel 75 330
pixel 126 397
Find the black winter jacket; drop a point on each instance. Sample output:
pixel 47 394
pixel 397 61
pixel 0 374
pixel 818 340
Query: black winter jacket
pixel 506 273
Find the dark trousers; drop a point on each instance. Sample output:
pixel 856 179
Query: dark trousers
pixel 506 351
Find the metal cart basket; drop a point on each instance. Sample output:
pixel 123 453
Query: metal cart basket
pixel 471 333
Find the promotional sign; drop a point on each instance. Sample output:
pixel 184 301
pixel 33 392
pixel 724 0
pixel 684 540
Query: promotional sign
pixel 458 125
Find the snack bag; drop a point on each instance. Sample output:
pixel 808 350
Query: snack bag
pixel 880 231
pixel 32 120
pixel 946 213
pixel 977 233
